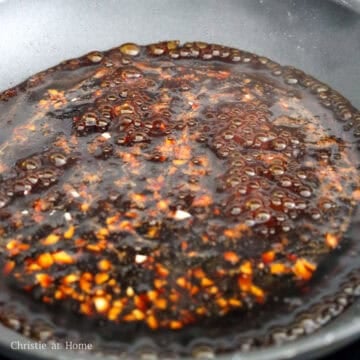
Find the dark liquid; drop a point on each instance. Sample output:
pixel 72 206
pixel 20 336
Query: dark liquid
pixel 150 192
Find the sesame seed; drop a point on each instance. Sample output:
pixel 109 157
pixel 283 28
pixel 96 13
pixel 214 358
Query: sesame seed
pixel 106 135
pixel 74 194
pixel 67 216
pixel 182 215
pixel 140 258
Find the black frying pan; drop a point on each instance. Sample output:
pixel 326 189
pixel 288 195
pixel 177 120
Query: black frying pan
pixel 318 36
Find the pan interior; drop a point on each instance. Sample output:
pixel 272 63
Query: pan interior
pixel 255 126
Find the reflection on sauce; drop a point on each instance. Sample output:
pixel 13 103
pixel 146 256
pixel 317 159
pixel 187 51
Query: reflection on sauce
pixel 166 184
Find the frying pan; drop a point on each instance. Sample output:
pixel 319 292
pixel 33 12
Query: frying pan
pixel 318 36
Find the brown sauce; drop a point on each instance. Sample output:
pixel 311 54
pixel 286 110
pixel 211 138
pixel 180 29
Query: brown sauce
pixel 163 185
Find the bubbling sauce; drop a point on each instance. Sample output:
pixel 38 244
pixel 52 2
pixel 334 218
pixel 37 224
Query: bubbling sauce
pixel 167 184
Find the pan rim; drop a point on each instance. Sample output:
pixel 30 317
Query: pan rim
pixel 347 329
pixel 339 332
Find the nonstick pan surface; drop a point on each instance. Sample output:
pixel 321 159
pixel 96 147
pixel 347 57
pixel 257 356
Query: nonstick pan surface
pixel 320 37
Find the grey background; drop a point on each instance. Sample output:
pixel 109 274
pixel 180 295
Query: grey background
pixel 317 36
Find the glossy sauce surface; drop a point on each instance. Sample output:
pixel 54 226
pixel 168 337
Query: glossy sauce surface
pixel 167 184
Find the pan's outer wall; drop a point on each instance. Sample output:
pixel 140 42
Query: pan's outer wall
pixel 317 36
pixel 338 333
